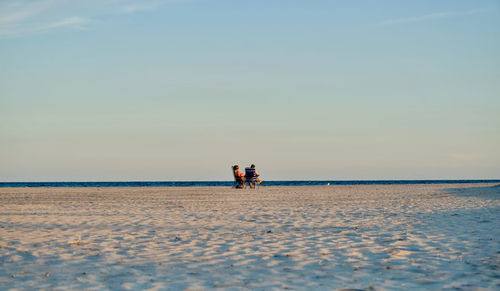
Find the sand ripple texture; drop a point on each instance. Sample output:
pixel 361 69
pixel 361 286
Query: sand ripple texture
pixel 374 237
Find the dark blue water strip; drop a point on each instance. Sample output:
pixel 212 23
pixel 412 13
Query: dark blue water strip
pixel 230 183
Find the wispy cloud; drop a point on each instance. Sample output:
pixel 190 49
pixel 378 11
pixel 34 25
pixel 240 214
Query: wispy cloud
pixel 431 16
pixel 70 22
pixel 142 6
pixel 16 11
pixel 21 17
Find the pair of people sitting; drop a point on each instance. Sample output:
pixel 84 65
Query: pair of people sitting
pixel 251 177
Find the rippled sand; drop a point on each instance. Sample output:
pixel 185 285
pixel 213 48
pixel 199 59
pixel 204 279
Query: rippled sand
pixel 323 237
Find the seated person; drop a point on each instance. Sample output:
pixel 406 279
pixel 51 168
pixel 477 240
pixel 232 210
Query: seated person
pixel 239 179
pixel 251 176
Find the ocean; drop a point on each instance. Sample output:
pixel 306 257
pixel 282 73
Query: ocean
pixel 230 183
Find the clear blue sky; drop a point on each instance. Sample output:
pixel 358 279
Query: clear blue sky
pixel 181 90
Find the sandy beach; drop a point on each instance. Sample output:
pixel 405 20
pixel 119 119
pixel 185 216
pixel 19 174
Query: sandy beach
pixel 380 237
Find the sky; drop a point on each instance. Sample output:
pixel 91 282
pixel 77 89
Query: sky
pixel 120 90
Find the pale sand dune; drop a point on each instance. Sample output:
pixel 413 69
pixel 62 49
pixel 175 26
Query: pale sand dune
pixel 395 237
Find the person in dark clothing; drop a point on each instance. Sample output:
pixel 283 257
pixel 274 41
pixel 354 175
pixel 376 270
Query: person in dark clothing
pixel 252 176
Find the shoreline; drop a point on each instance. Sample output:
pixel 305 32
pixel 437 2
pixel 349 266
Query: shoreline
pixel 105 184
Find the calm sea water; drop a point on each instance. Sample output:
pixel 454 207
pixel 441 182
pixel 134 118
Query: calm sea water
pixel 230 183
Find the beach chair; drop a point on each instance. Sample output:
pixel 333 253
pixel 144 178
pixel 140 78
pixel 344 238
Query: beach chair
pixel 239 182
pixel 251 177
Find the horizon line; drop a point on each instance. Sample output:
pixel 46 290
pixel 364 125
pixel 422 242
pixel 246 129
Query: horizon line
pixel 268 181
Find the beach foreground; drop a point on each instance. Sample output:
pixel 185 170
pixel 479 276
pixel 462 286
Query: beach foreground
pixel 440 236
